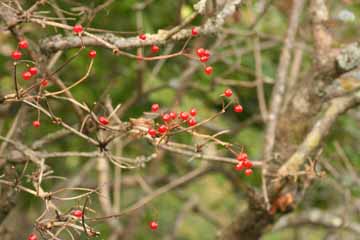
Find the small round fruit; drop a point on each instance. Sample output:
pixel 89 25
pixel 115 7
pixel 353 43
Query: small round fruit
pixel 208 70
pixel 16 55
pixel 26 75
pixel 44 82
pixel 33 71
pixel 152 132
pixel 239 166
pixel 92 54
pixel 78 29
pixel 248 164
pixel 23 44
pixel 228 92
pixel 248 172
pixel 184 116
pixel 206 53
pixel 36 123
pixel 155 49
pixel 155 107
pixel 173 115
pixel 200 52
pixel 194 31
pixel 204 59
pixel 77 213
pixel 238 108
pixel 32 237
pixel 162 129
pixel 142 36
pixel 103 120
pixel 153 225
pixel 193 112
pixel 192 122
pixel 166 117
pixel 242 157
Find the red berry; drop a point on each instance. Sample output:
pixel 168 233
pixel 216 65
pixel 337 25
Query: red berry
pixel 173 115
pixel 33 71
pixel 44 82
pixel 36 123
pixel 242 157
pixel 16 55
pixel 78 29
pixel 155 49
pixel 193 112
pixel 206 53
pixel 163 129
pixel 228 92
pixel 239 166
pixel 26 75
pixel 166 117
pixel 238 108
pixel 23 44
pixel 184 116
pixel 92 54
pixel 155 107
pixel 152 132
pixel 32 237
pixel 208 70
pixel 194 31
pixel 103 120
pixel 200 52
pixel 77 213
pixel 192 122
pixel 204 59
pixel 153 225
pixel 142 36
pixel 248 172
pixel 248 164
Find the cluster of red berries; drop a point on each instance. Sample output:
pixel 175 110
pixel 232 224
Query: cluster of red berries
pixel 170 120
pixel 32 71
pixel 244 162
pixel 16 55
pixel 237 108
pixel 204 56
pixel 27 75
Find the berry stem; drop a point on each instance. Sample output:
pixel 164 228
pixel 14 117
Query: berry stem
pixel 16 82
pixel 75 83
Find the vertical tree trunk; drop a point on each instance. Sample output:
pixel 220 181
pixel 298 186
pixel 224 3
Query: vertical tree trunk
pixel 249 226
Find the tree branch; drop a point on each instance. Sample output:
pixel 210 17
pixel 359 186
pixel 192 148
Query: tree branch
pixel 318 133
pixel 211 26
